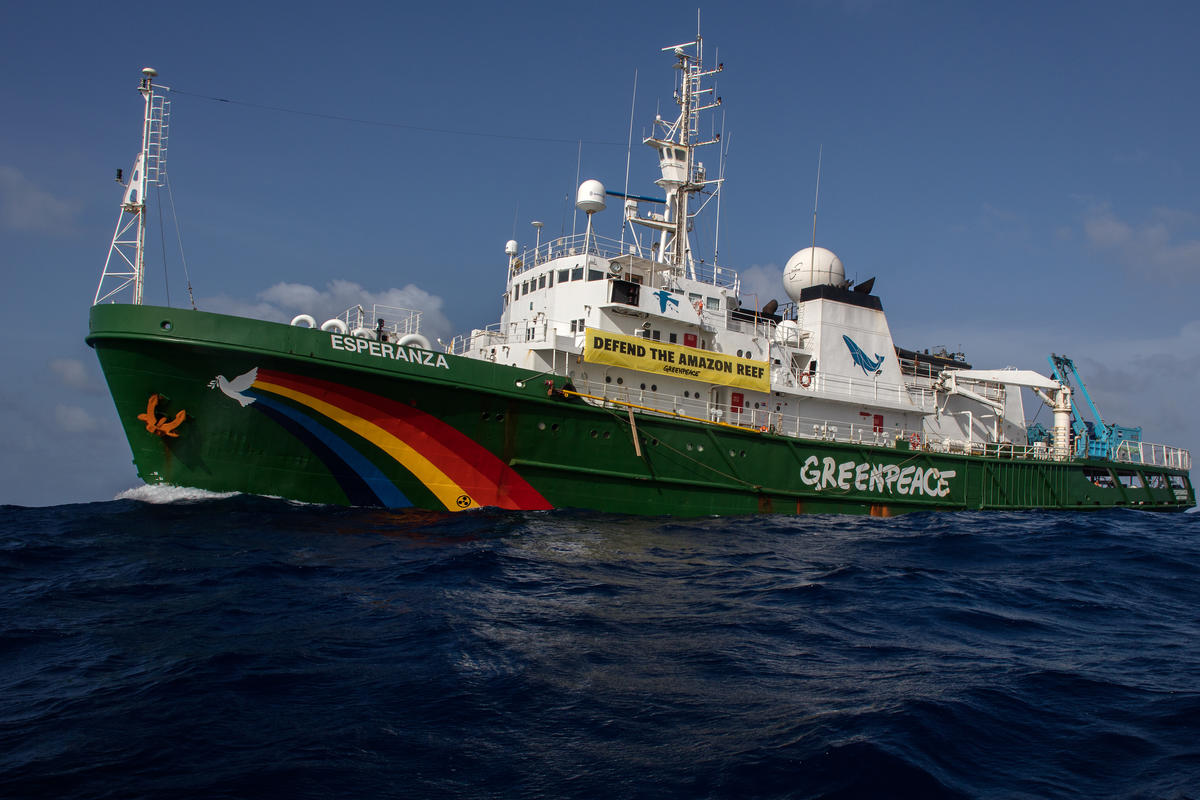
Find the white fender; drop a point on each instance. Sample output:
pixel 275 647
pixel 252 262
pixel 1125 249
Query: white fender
pixel 363 333
pixel 307 319
pixel 333 324
pixel 414 339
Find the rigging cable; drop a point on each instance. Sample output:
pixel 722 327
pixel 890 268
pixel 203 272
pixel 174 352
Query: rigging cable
pixel 162 238
pixel 399 125
pixel 179 238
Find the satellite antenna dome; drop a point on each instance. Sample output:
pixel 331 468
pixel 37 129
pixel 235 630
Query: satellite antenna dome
pixel 511 247
pixel 812 266
pixel 590 198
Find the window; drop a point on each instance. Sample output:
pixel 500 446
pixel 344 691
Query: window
pixel 1176 481
pixel 673 338
pixel 694 298
pixel 581 326
pixel 564 275
pixel 1100 478
pixel 1130 480
pixel 572 326
pixel 542 282
pixel 577 274
pixel 1156 480
pixel 656 335
pixel 516 291
pixel 595 275
pixel 680 155
pixel 714 304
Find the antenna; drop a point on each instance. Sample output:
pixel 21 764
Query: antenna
pixel 724 151
pixel 578 169
pixel 816 197
pixel 629 150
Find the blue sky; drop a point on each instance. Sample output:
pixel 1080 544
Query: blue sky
pixel 1021 177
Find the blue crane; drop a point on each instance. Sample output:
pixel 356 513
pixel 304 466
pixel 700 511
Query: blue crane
pixel 1093 438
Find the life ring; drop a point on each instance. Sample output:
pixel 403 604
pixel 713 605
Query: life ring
pixel 914 441
pixel 305 318
pixel 414 339
pixel 805 380
pixel 333 324
pixel 699 306
pixel 363 333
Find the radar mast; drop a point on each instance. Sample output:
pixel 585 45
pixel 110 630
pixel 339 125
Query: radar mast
pixel 676 143
pixel 126 260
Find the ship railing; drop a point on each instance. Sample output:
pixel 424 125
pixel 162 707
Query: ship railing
pixel 560 334
pixel 764 420
pixel 862 389
pixel 607 248
pixel 1159 455
pixel 574 244
pixel 392 320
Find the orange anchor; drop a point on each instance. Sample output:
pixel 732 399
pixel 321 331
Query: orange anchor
pixel 161 426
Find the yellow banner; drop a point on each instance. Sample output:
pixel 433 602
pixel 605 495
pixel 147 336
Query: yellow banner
pixel 648 355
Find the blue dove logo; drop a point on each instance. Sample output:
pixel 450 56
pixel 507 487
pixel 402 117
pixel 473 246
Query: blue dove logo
pixel 664 297
pixel 868 365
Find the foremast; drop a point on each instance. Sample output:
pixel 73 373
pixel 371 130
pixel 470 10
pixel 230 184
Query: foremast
pixel 676 143
pixel 125 265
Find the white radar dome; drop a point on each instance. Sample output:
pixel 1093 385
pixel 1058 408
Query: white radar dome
pixel 812 266
pixel 590 198
pixel 511 248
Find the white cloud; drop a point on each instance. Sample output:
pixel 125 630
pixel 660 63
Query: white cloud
pixel 26 207
pixel 73 419
pixel 283 301
pixel 1166 246
pixel 72 373
pixel 762 283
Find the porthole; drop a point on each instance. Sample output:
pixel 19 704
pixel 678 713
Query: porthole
pixel 166 325
pixel 643 387
pixel 686 393
pixel 620 380
pixel 594 434
pixel 499 416
pixel 699 448
pixel 485 415
pixel 689 447
pixel 554 427
pixel 608 434
pixel 654 442
pixel 743 454
pixel 654 387
pixel 732 453
pixel 608 378
pixel 541 426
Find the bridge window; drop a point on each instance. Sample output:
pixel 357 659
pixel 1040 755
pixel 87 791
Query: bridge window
pixel 577 274
pixel 564 275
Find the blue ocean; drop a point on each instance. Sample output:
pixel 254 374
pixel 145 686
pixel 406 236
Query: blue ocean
pixel 174 645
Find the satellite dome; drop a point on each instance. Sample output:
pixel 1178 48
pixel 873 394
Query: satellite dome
pixel 590 198
pixel 812 266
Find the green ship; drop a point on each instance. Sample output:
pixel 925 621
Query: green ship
pixel 624 376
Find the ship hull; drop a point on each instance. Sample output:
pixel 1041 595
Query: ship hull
pixel 319 417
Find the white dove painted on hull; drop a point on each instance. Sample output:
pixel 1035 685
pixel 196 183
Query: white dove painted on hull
pixel 234 388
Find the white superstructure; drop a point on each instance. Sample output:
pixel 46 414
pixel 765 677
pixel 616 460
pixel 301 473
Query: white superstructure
pixel 628 320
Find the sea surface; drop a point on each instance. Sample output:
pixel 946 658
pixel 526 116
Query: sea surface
pixel 175 645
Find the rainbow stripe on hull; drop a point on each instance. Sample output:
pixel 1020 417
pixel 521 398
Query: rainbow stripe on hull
pixel 352 432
